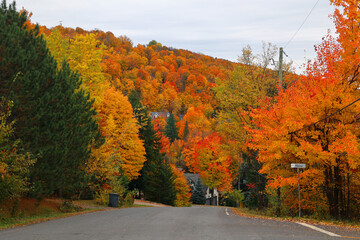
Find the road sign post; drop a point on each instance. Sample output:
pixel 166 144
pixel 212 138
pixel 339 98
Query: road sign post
pixel 298 166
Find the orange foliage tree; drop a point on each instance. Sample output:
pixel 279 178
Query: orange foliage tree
pixel 295 128
pixel 159 127
pixel 212 163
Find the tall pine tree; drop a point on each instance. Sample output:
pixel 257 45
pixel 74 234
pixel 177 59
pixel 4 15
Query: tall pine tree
pixel 156 179
pixel 198 195
pixel 171 130
pixel 53 117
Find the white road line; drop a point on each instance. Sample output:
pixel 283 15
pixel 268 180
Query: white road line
pixel 318 229
pixel 226 211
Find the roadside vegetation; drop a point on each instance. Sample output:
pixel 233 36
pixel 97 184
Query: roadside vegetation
pixel 29 211
pixel 84 114
pixel 254 213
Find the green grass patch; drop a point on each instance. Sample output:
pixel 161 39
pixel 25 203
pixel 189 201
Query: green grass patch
pixel 140 205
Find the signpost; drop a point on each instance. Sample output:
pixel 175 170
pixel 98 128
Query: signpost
pixel 298 166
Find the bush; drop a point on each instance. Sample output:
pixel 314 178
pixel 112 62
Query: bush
pixel 67 207
pixel 236 196
pixel 102 197
pixel 129 198
pixel 116 186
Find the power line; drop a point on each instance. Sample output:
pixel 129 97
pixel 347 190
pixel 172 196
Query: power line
pixel 302 24
pixel 323 119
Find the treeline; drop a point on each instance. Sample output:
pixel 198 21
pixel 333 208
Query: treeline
pixel 76 122
pixel 47 121
pixel 112 144
pixel 76 111
pixel 66 131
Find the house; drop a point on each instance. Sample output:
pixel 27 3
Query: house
pixel 155 115
pixel 192 178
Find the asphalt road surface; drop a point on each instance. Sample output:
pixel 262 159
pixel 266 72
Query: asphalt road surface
pixel 169 223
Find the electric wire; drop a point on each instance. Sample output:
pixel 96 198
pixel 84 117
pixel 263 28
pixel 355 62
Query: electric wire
pixel 328 116
pixel 302 23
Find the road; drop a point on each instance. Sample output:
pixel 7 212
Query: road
pixel 167 223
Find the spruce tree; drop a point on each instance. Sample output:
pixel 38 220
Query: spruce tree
pixel 156 179
pixel 198 196
pixel 171 131
pixel 53 117
pixel 146 130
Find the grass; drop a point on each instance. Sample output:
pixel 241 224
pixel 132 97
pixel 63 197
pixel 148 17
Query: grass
pixel 22 221
pixel 265 215
pixel 30 211
pixel 140 205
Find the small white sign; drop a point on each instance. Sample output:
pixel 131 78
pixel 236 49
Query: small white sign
pixel 298 165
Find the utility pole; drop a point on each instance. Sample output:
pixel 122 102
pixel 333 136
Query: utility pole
pixel 281 51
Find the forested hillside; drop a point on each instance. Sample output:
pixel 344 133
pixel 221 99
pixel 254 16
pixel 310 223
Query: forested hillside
pixel 78 107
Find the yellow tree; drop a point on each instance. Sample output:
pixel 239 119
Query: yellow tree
pixel 123 148
pixel 84 54
pixel 182 188
pixel 58 45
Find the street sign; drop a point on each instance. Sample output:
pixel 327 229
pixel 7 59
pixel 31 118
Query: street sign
pixel 298 165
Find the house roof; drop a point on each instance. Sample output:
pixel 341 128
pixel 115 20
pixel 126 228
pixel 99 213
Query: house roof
pixel 193 178
pixel 159 114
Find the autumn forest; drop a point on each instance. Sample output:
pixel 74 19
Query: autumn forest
pixel 86 113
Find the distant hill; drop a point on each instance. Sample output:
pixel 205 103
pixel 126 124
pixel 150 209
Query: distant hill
pixel 166 79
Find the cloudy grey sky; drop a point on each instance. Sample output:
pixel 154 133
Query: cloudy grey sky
pixel 219 28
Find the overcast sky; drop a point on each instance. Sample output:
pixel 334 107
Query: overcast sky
pixel 219 28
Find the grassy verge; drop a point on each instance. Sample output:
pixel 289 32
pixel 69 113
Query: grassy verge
pixel 31 212
pixel 22 221
pixel 140 205
pixel 264 215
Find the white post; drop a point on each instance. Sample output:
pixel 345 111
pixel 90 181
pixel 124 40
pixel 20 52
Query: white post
pixel 299 191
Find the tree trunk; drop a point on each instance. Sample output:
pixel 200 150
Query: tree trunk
pixel 348 196
pixel 332 188
pixel 337 192
pixel 278 207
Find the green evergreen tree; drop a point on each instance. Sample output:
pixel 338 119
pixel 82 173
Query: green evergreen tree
pixel 158 182
pixel 146 130
pixel 198 195
pixel 171 131
pixel 249 173
pixel 156 179
pixel 53 117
